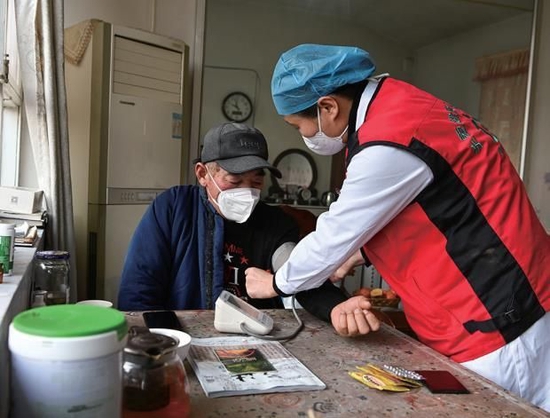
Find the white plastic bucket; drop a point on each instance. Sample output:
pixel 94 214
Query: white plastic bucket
pixel 66 361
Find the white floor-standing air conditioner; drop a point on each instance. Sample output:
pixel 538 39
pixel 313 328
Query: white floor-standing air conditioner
pixel 129 141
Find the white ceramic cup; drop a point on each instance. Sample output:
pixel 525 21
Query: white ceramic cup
pixel 182 338
pixel 96 302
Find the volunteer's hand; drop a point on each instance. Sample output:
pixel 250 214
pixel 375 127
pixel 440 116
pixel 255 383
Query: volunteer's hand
pixel 259 283
pixel 347 268
pixel 353 317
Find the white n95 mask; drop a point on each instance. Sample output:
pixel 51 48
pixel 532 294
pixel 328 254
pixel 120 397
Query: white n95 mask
pixel 236 204
pixel 322 144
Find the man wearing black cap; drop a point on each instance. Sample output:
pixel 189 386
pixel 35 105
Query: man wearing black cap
pixel 195 241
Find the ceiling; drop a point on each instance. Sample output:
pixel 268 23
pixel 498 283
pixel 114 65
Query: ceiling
pixel 412 23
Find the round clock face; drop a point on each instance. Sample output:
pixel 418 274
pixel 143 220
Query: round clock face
pixel 237 107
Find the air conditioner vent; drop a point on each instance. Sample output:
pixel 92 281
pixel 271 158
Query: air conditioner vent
pixel 145 70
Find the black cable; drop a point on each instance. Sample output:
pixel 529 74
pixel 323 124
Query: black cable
pixel 288 336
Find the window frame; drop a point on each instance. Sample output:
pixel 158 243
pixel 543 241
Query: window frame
pixel 11 98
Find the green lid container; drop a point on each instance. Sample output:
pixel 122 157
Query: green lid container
pixel 68 332
pixel 67 360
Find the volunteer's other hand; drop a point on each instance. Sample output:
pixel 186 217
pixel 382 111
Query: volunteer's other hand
pixel 347 269
pixel 259 283
pixel 353 317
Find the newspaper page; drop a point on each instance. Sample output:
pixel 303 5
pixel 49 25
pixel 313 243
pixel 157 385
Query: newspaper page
pixel 229 366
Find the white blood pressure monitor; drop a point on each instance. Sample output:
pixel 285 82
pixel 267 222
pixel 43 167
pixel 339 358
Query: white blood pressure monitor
pixel 232 311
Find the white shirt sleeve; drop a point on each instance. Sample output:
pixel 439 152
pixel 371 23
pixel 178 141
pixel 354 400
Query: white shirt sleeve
pixel 380 182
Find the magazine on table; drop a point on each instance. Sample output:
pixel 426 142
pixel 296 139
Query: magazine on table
pixel 228 366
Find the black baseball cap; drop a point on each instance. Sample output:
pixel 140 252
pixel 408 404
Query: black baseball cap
pixel 237 148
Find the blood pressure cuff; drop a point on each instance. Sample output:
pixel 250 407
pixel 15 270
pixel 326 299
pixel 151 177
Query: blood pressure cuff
pixel 318 302
pixel 281 254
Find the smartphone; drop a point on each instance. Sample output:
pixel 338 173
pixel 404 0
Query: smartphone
pixel 442 381
pixel 162 319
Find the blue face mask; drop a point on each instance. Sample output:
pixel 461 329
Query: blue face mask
pixel 323 144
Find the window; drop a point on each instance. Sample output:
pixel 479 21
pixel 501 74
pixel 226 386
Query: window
pixel 10 97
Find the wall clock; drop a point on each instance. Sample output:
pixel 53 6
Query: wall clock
pixel 237 107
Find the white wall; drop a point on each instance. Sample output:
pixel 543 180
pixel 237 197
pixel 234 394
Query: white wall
pixel 175 18
pixel 253 35
pixel 537 174
pixel 446 68
pixel 132 13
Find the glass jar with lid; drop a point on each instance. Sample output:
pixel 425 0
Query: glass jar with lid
pixel 50 278
pixel 155 383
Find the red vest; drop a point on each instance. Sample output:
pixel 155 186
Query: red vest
pixel 469 257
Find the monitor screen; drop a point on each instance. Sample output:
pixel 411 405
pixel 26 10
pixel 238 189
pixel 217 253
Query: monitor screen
pixel 244 307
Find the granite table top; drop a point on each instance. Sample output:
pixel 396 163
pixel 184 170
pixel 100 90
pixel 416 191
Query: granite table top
pixel 331 357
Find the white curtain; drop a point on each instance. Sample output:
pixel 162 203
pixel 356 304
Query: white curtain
pixel 503 79
pixel 40 42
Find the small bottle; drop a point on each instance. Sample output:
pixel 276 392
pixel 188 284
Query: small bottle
pixel 7 238
pixel 51 278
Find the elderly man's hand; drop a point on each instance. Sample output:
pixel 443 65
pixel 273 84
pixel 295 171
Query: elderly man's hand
pixel 353 317
pixel 259 283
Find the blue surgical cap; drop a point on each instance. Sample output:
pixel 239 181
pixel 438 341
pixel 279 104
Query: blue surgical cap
pixel 307 72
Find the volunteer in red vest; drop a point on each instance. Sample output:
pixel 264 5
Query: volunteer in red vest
pixel 432 200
